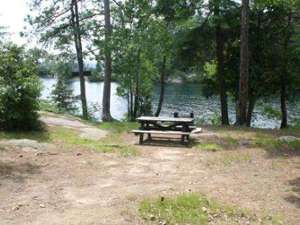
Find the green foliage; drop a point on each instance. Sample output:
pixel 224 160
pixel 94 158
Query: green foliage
pixel 271 113
pixel 97 73
pixel 48 106
pixel 19 89
pixel 62 95
pixel 62 66
pixel 142 39
pixel 43 60
pixel 268 66
pixel 184 33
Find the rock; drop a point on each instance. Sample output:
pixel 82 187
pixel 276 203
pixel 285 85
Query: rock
pixel 152 217
pixel 22 143
pixel 17 207
pixel 29 149
pixel 245 142
pixel 57 120
pixel 42 206
pixel 204 209
pixel 26 145
pixel 288 139
pixel 78 154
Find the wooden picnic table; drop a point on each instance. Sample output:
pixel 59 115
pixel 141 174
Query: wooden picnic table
pixel 165 125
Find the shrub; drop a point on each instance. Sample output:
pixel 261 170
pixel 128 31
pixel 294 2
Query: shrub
pixel 19 89
pixel 62 95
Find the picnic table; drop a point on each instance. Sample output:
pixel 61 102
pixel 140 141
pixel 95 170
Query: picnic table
pixel 164 126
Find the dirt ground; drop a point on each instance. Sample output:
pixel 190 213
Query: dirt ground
pixel 61 186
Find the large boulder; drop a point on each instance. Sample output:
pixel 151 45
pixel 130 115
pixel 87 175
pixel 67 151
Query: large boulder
pixel 288 139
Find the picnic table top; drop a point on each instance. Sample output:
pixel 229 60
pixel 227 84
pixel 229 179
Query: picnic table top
pixel 165 119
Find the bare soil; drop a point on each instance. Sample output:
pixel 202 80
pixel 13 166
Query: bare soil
pixel 62 185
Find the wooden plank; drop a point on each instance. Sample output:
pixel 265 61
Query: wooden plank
pixel 160 132
pixel 165 119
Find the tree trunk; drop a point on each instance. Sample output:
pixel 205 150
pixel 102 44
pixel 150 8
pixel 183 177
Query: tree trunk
pixel 250 110
pixel 137 86
pixel 78 46
pixel 131 101
pixel 162 86
pixel 106 116
pixel 283 100
pixel 283 77
pixel 221 79
pixel 244 65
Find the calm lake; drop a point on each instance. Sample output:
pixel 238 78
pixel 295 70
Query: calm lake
pixel 182 98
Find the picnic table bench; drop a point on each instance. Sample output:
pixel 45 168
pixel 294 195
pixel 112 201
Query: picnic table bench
pixel 164 126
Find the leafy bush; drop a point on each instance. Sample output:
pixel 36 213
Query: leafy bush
pixel 19 89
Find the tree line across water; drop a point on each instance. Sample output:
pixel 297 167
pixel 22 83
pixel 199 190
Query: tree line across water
pixel 244 50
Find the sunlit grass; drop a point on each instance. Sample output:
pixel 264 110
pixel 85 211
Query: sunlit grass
pixel 196 209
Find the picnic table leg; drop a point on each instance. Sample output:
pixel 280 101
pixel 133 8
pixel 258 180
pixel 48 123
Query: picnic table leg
pixel 141 139
pixel 188 139
pixel 182 139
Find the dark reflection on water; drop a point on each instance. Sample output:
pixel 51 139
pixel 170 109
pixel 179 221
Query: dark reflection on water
pixel 182 98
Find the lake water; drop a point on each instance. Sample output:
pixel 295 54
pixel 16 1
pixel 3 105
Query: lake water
pixel 182 98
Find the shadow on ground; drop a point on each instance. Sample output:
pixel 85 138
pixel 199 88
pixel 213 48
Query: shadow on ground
pixel 167 142
pixel 17 171
pixel 41 134
pixel 295 197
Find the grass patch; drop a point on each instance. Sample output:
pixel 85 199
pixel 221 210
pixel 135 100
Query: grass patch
pixel 230 158
pixel 236 158
pixel 218 144
pixel 119 127
pixel 112 143
pixel 230 141
pixel 274 145
pixel 213 147
pixel 195 209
